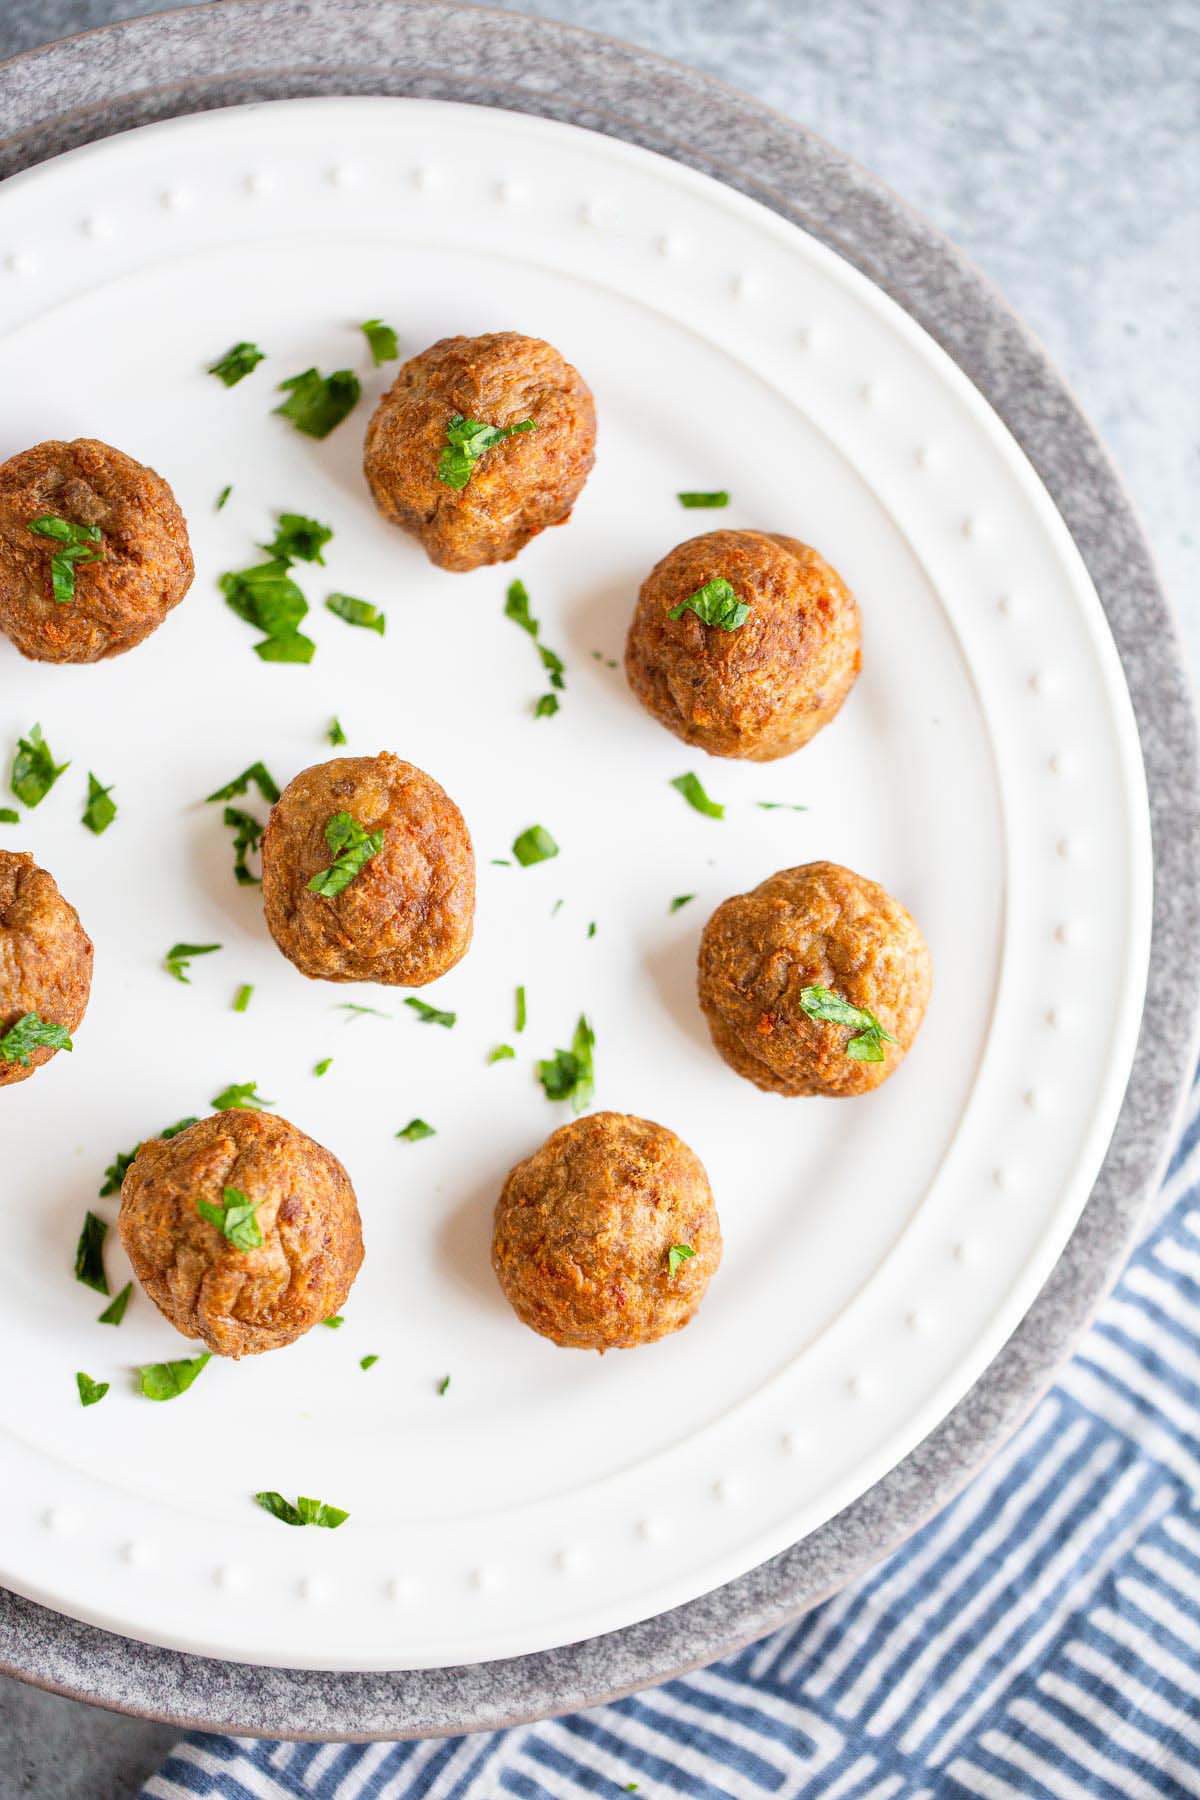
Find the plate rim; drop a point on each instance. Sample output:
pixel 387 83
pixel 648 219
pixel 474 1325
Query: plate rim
pixel 645 99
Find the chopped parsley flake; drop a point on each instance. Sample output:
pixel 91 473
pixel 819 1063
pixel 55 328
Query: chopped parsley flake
pixel 501 1053
pixel 520 1009
pixel 241 999
pixel 223 496
pixel 516 608
pixel 546 707
pixel 357 612
pixel 178 959
pixel 694 497
pixel 430 1015
pixel 570 1074
pixel 235 1219
pixel 591 930
pixel 259 775
pixel 34 770
pixel 779 806
pixel 305 1512
pixel 266 597
pixel 676 1257
pixel 9 815
pixel 236 363
pixel 247 836
pixel 870 1037
pixel 367 1362
pixel 382 339
pixel 323 1066
pixel 716 603
pixel 241 1093
pixel 167 1380
pixel 298 539
pixel 316 403
pixel 100 810
pixel 352 849
pixel 90 1391
pixel 534 846
pixel 114 1312
pixel 415 1130
pixel 335 1321
pixel 680 900
pixel 31 1033
pixel 443 1384
pixel 692 789
pixel 335 734
pixel 77 544
pixel 89 1254
pixel 466 441
pixel 352 1006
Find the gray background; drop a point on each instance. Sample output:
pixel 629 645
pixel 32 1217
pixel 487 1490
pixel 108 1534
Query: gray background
pixel 1057 142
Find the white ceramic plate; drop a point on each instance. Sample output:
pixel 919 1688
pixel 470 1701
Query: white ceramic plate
pixel 985 769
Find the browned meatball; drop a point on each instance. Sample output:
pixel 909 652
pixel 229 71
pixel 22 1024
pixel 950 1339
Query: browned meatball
pixel 816 927
pixel 585 1227
pixel 143 569
pixel 240 1301
pixel 764 688
pixel 406 916
pixel 45 960
pixel 515 489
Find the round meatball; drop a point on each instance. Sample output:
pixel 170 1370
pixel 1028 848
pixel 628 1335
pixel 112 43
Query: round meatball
pixel 263 1281
pixel 818 927
pixel 513 490
pixel 585 1227
pixel 45 960
pixel 765 687
pixel 405 917
pixel 142 565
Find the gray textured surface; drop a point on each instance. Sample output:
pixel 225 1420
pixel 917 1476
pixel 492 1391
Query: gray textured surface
pixel 1016 130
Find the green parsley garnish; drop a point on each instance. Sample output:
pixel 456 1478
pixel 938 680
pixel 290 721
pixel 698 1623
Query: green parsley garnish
pixel 335 734
pixel 247 836
pixel 235 1219
pixel 443 1384
pixel 382 339
pixel 357 612
pixel 466 441
pixel 266 597
pixel 223 496
pixel 715 603
pixel 429 1015
pixel 415 1130
pixel 570 1074
pixel 325 1063
pixel 34 770
pixel 680 900
pixel 167 1380
pixel 78 544
pixel 676 1257
pixel 690 787
pixel 89 1391
pixel 520 1009
pixel 89 1254
pixel 352 849
pixel 259 774
pixel 693 497
pixel 305 1512
pixel 114 1312
pixel 335 1321
pixel 236 363
pixel 501 1053
pixel 178 959
pixel 870 1037
pixel 534 846
pixel 241 999
pixel 243 1094
pixel 591 930
pixel 516 608
pixel 367 1362
pixel 298 539
pixel 29 1034
pixel 352 1006
pixel 779 806
pixel 100 810
pixel 9 815
pixel 546 707
pixel 316 403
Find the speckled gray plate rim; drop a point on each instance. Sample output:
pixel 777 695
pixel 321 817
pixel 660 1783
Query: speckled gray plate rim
pixel 129 74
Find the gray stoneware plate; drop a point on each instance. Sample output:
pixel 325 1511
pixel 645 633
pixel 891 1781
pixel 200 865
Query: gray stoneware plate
pixel 76 93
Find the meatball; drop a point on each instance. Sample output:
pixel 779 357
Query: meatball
pixel 510 491
pixel 819 927
pixel 763 688
pixel 585 1227
pixel 405 917
pixel 45 960
pixel 255 1285
pixel 127 578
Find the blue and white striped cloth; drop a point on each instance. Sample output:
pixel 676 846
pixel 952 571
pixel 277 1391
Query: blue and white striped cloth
pixel 1041 1638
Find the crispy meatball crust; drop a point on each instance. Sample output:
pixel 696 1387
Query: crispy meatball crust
pixel 584 1228
pixel 146 567
pixel 518 488
pixel 763 690
pixel 45 956
pixel 407 917
pixel 816 926
pixel 241 1302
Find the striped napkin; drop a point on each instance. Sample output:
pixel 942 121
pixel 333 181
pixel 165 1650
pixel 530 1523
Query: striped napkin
pixel 1040 1638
